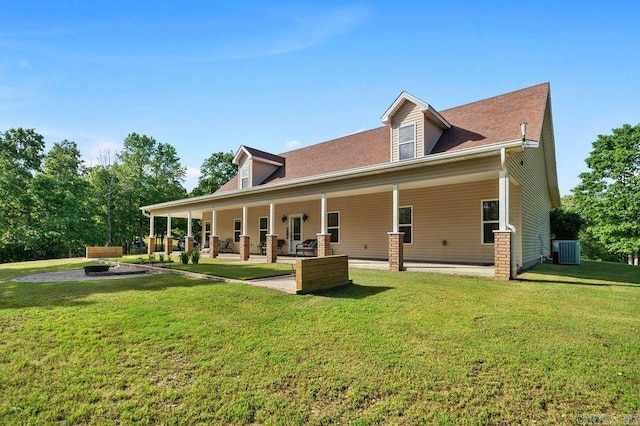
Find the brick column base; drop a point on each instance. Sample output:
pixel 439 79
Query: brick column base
pixel 272 248
pixel 214 246
pixel 168 248
pixel 151 247
pixel 396 251
pixel 188 244
pixel 324 245
pixel 245 245
pixel 502 255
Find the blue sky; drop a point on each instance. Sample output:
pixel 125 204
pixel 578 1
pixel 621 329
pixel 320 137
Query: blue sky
pixel 209 76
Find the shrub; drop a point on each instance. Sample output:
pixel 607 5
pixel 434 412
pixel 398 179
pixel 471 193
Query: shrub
pixel 152 258
pixel 161 256
pixel 184 257
pixel 195 257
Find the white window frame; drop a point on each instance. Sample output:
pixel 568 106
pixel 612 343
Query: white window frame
pixel 334 227
pixel 243 169
pixel 205 243
pixel 237 231
pixel 483 222
pixel 414 141
pixel 265 229
pixel 400 225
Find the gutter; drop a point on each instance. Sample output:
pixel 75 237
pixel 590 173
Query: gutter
pixel 445 157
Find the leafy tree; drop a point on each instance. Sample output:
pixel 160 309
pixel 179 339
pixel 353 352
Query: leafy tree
pixel 105 186
pixel 608 196
pixel 215 171
pixel 62 195
pixel 565 225
pixel 149 172
pixel 21 153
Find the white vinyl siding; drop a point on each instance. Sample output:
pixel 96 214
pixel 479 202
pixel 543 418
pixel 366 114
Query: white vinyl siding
pixel 529 169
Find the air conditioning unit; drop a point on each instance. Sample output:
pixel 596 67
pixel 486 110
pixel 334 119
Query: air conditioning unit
pixel 568 251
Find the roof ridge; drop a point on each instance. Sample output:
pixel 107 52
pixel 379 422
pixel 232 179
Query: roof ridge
pixel 496 96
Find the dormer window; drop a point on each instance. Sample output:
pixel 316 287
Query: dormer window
pixel 244 175
pixel 407 141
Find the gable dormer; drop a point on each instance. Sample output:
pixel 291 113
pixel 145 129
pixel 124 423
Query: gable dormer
pixel 415 127
pixel 254 166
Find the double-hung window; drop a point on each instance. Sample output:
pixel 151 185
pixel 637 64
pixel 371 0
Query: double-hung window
pixel 407 141
pixel 405 222
pixel 490 220
pixel 244 176
pixel 263 229
pixel 333 226
pixel 237 230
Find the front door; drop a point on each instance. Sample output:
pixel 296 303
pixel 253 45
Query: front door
pixel 295 232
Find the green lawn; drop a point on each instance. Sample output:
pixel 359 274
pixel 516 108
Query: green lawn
pixel 398 348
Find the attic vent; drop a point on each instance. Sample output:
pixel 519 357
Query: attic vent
pixel 568 251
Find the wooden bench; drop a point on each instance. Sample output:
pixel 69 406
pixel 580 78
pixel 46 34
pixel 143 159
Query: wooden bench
pixel 307 248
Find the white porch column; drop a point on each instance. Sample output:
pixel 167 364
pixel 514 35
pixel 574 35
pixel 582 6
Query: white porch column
pixel 214 222
pixel 323 214
pixel 396 207
pixel 272 218
pixel 151 226
pixel 189 224
pixel 244 219
pixel 168 226
pixel 503 201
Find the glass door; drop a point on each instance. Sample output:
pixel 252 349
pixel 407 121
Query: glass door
pixel 295 232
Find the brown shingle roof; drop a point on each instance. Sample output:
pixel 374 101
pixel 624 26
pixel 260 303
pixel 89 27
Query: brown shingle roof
pixel 494 119
pixel 476 124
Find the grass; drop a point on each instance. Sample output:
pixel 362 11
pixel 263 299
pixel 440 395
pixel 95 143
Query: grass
pixel 223 267
pixel 236 271
pixel 396 348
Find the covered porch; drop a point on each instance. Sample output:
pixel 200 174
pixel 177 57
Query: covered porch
pixel 432 216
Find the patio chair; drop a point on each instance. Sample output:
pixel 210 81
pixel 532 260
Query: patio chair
pixel 309 247
pixel 281 246
pixel 224 246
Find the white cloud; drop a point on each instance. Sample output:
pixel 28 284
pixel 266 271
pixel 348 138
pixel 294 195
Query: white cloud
pixel 293 144
pixel 101 149
pixel 191 178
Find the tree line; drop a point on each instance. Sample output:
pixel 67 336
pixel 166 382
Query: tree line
pixel 53 205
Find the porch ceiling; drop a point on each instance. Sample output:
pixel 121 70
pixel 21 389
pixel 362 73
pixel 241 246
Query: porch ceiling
pixel 197 211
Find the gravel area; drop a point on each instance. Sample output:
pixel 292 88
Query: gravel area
pixel 78 275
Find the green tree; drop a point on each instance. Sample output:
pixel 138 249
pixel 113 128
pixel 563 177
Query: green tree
pixel 215 171
pixel 21 153
pixel 104 182
pixel 149 172
pixel 565 225
pixel 62 195
pixel 608 196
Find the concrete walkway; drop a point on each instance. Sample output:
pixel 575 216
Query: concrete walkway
pixel 383 265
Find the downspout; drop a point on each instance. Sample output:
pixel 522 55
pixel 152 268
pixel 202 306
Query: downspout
pixel 514 235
